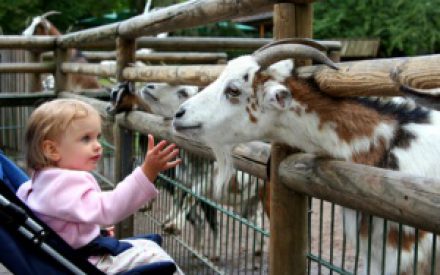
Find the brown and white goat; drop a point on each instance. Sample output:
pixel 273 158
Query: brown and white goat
pixel 40 25
pixel 255 100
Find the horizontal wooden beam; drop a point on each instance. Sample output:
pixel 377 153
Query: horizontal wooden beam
pixel 200 75
pixel 175 43
pixel 156 57
pixel 27 67
pixel 182 43
pixel 376 77
pixel 40 43
pixel 180 16
pixel 389 194
pixel 89 69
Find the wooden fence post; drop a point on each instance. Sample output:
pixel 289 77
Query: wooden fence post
pixel 125 54
pixel 60 77
pixel 288 210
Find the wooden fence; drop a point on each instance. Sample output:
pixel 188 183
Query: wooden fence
pixel 12 120
pixel 291 175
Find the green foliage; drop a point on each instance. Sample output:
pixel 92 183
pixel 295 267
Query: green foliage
pixel 15 15
pixel 405 27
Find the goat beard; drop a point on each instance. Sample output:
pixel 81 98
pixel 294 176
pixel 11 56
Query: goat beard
pixel 223 155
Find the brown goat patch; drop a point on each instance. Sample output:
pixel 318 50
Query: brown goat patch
pixel 352 120
pixel 252 118
pixel 407 240
pixel 364 225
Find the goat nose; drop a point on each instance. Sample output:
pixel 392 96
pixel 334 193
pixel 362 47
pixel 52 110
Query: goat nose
pixel 180 113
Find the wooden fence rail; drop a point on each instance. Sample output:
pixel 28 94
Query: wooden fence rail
pixel 185 15
pixel 155 57
pixel 27 67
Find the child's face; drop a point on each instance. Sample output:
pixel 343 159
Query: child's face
pixel 79 147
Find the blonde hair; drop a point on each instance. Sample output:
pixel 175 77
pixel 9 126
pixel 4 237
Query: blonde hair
pixel 49 121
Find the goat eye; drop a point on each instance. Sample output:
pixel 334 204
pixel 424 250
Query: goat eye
pixel 150 86
pixel 232 91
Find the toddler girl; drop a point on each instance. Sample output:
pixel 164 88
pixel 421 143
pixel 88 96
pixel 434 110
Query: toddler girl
pixel 62 147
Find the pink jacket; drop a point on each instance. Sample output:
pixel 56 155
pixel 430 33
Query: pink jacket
pixel 73 205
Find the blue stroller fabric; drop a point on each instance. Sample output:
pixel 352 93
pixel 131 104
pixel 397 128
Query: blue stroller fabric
pixel 10 173
pixel 35 254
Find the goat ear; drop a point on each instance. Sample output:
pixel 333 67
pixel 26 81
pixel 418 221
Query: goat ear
pixel 280 98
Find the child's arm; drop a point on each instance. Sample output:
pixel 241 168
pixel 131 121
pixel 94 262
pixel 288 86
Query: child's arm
pixel 159 158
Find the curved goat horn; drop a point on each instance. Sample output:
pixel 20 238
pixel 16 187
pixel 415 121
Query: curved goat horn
pixel 273 54
pixel 303 41
pixel 49 13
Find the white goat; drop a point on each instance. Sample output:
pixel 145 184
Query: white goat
pixel 163 99
pixel 250 102
pixel 242 194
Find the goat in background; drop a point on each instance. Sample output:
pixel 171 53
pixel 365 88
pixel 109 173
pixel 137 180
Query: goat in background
pixel 260 97
pixel 40 25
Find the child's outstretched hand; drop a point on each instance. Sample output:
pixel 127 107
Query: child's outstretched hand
pixel 159 158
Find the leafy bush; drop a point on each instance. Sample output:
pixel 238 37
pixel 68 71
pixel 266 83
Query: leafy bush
pixel 405 27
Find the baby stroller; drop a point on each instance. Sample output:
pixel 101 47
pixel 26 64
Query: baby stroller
pixel 30 247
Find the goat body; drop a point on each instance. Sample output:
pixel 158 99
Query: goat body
pixel 40 25
pixel 249 103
